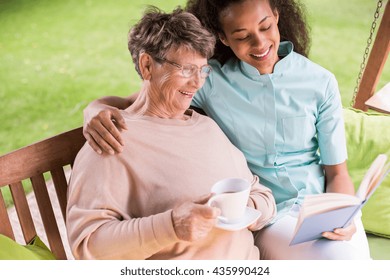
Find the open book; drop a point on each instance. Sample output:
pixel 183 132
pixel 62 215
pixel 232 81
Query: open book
pixel 328 211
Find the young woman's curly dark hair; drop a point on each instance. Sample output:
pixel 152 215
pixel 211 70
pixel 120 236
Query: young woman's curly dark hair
pixel 292 23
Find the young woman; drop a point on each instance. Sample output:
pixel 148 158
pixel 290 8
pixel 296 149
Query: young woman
pixel 279 108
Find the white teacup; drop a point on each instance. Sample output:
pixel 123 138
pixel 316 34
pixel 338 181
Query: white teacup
pixel 231 196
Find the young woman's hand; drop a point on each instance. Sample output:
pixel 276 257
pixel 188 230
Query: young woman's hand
pixel 103 131
pixel 341 233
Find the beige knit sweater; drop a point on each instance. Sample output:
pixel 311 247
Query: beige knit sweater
pixel 119 207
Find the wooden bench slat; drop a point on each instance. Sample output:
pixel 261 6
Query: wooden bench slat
pixel 47 215
pixel 23 211
pixel 5 224
pixel 61 186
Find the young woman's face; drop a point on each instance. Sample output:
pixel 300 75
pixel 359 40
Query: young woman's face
pixel 251 31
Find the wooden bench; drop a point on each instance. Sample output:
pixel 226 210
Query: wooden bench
pixel 49 156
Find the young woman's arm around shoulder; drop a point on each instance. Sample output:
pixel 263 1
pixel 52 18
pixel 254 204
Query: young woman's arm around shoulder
pixel 103 123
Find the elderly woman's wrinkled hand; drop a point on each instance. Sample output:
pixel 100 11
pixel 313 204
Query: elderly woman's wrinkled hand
pixel 193 221
pixel 103 131
pixel 341 233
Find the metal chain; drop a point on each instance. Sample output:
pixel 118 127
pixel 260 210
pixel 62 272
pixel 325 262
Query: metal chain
pixel 366 52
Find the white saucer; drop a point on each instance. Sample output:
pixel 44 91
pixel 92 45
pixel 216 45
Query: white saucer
pixel 250 216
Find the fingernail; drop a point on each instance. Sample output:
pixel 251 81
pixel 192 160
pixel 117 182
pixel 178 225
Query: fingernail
pixel 99 152
pixel 111 152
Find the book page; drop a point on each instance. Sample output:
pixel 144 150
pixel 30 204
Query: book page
pixel 372 177
pixel 318 203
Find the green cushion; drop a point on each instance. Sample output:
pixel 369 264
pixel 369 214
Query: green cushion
pixel 368 134
pixel 35 250
pixel 379 247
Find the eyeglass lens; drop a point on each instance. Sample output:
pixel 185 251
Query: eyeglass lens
pixel 189 70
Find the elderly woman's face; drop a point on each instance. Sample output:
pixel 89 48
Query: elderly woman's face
pixel 174 89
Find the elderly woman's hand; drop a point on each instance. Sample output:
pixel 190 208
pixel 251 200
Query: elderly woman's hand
pixel 341 233
pixel 103 131
pixel 192 221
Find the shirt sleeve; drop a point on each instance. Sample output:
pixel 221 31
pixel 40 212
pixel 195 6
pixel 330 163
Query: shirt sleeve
pixel 261 198
pixel 330 127
pixel 99 224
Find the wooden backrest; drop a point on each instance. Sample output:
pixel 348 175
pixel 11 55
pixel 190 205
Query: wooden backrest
pixel 49 156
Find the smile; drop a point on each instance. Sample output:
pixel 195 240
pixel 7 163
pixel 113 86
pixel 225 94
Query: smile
pixel 186 93
pixel 262 54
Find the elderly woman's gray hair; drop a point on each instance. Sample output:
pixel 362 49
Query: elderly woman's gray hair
pixel 158 32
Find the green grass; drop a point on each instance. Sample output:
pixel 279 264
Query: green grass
pixel 55 57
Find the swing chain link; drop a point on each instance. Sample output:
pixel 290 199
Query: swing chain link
pixel 366 52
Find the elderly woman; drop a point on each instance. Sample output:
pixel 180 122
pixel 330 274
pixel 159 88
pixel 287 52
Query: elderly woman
pixel 150 201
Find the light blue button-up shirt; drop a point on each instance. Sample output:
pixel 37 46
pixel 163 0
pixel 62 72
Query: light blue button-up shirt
pixel 286 123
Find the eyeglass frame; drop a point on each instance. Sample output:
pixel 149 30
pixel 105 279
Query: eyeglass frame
pixel 193 66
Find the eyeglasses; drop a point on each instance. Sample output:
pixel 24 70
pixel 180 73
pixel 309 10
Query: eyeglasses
pixel 187 70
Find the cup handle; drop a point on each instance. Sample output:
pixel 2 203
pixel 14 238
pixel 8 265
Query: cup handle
pixel 211 200
pixel 209 203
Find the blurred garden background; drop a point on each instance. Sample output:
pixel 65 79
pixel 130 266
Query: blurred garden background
pixel 57 56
